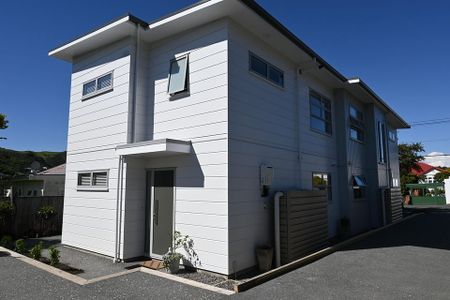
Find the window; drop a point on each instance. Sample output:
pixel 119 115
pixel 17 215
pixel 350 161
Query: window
pixel 264 69
pixel 382 142
pixel 178 76
pixel 322 182
pixel 359 187
pixel 356 124
pixel 93 180
pixel 98 85
pixel 392 135
pixel 320 113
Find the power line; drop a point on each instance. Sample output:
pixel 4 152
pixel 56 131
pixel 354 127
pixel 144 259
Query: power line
pixel 431 122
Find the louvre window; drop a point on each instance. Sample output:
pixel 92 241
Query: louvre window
pixel 97 86
pixel 178 76
pixel 93 180
pixel 320 113
pixel 266 70
pixel 382 142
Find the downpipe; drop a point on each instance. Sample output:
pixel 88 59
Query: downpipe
pixel 276 209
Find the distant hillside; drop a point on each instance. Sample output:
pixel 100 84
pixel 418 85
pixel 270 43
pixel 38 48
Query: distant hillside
pixel 15 163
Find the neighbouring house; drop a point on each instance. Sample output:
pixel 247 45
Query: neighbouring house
pixel 192 123
pixel 426 172
pixel 46 183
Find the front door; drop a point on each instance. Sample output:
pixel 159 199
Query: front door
pixel 162 212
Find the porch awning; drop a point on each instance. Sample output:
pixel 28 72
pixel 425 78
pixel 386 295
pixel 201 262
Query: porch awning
pixel 163 147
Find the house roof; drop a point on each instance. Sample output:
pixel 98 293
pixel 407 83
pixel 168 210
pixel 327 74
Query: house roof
pixel 58 170
pixel 424 168
pixel 209 10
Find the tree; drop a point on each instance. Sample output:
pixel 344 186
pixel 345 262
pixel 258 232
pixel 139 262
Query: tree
pixel 441 176
pixel 409 156
pixel 3 124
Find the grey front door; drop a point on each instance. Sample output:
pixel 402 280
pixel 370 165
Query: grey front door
pixel 162 209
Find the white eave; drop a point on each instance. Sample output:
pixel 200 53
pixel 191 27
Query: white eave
pixel 114 31
pixel 155 148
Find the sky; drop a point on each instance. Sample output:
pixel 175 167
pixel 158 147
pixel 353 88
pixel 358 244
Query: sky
pixel 399 48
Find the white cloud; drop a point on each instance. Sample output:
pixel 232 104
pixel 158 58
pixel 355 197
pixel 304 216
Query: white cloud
pixel 437 159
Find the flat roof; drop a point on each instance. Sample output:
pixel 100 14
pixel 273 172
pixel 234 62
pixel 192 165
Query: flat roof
pixel 205 11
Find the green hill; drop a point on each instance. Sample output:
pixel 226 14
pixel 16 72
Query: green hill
pixel 14 163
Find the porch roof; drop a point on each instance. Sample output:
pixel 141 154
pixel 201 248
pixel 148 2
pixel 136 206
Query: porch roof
pixel 162 147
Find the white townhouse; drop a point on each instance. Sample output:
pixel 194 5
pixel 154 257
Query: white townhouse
pixel 172 122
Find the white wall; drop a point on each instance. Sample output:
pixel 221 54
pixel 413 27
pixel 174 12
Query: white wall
pixel 266 124
pixel 200 117
pixel 96 126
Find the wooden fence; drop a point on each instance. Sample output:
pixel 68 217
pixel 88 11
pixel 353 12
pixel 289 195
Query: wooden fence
pixel 393 204
pixel 303 224
pixel 26 222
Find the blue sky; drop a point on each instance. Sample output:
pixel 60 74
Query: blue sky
pixel 400 48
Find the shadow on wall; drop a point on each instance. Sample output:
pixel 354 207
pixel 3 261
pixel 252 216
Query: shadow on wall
pixel 428 231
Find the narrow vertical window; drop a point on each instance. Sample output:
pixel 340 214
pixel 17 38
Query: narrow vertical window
pixel 382 142
pixel 178 76
pixel 356 124
pixel 320 113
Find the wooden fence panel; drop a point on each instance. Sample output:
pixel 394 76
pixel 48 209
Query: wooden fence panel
pixel 27 223
pixel 303 224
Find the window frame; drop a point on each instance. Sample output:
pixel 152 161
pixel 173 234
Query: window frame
pixel 323 100
pixel 359 189
pixel 392 135
pixel 328 187
pixel 356 124
pixel 186 75
pixel 269 67
pixel 97 91
pixel 92 187
pixel 382 143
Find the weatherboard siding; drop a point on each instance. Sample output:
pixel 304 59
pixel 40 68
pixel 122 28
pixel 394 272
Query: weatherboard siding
pixel 266 124
pixel 201 194
pixel 96 126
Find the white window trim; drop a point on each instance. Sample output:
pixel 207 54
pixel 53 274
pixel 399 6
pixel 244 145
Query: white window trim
pixel 356 123
pixel 329 184
pixel 92 187
pixel 186 75
pixel 266 78
pixel 97 92
pixel 322 99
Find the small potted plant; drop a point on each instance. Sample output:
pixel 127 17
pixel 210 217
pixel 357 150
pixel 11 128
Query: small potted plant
pixel 171 260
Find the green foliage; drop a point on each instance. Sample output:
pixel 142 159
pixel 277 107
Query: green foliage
pixel 179 242
pixel 409 156
pixel 54 256
pixel 13 163
pixel 36 251
pixel 20 246
pixel 6 210
pixel 441 176
pixel 46 212
pixel 6 241
pixel 3 124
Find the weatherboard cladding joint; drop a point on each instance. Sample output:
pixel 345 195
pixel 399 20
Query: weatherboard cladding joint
pixel 216 136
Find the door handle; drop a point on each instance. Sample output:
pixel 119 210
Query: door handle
pixel 156 212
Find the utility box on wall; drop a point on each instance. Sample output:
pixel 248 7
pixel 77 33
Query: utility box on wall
pixel 266 179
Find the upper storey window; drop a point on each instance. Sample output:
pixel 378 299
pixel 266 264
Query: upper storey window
pixel 266 70
pixel 356 124
pixel 320 113
pixel 178 76
pixel 98 85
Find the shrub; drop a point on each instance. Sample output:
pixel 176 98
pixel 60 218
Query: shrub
pixel 46 212
pixel 54 256
pixel 20 246
pixel 36 251
pixel 6 210
pixel 6 241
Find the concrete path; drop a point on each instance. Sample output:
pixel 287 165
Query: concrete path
pixel 410 260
